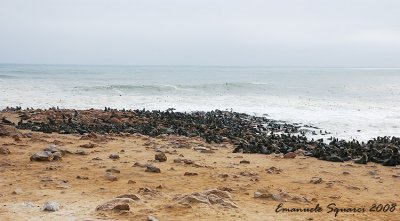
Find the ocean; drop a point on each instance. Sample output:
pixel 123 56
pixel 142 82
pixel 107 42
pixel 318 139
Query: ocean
pixel 350 103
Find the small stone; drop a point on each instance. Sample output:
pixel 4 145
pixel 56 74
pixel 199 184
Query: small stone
pixel 82 177
pixel 200 148
pixel 51 206
pixel 111 177
pixel 57 156
pixel 316 180
pixel 151 218
pixel 245 162
pixel 261 195
pixel 152 169
pixel 112 170
pixel 207 151
pixel 4 150
pixel 81 152
pixel 187 161
pixel 289 155
pixel 118 204
pixel 130 196
pixel 160 157
pixel 131 182
pixel 89 145
pixel 274 170
pixel 17 191
pixel 178 160
pixel 137 164
pixel 190 174
pixel 113 156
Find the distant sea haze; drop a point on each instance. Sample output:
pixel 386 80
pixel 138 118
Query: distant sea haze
pixel 359 103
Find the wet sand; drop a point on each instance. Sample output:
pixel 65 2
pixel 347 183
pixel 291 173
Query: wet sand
pixel 79 183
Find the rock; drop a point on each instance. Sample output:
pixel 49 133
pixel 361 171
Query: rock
pixel 280 196
pixel 113 170
pixel 274 170
pixel 131 182
pixel 4 150
pixel 160 157
pixel 151 218
pixel 110 177
pixel 118 204
pixel 245 162
pixel 178 160
pixel 81 152
pixel 51 206
pixel 207 151
pixel 289 155
pixel 54 149
pixel 130 196
pixel 152 169
pixel 88 145
pixel 82 177
pixel 7 130
pixel 57 156
pixel 190 174
pixel 200 148
pixel 316 180
pixel 208 197
pixel 362 160
pixel 137 164
pixel 42 156
pixel 17 191
pixel 261 195
pixel 113 156
pixel 187 161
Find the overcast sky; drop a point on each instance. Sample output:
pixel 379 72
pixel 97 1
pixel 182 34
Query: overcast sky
pixel 329 33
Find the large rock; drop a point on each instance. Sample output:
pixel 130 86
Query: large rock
pixel 6 130
pixel 208 197
pixel 51 206
pixel 42 156
pixel 160 157
pixel 117 204
pixel 290 155
pixel 153 169
pixel 130 196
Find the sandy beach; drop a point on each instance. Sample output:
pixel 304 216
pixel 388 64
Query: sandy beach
pixel 196 180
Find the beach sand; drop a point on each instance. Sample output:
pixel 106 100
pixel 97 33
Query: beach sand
pixel 79 184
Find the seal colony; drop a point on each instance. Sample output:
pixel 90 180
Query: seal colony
pixel 249 134
pixel 98 165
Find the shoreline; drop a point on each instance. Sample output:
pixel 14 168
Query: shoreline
pixel 248 134
pixel 196 180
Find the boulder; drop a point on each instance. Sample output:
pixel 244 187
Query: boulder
pixel 118 204
pixel 51 206
pixel 42 156
pixel 290 155
pixel 160 157
pixel 152 169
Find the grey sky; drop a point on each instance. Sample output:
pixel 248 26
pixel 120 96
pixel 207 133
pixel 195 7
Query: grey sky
pixel 202 32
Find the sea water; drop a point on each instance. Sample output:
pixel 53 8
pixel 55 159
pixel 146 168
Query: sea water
pixel 351 103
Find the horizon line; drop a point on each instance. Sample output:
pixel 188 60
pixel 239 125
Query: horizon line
pixel 202 65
